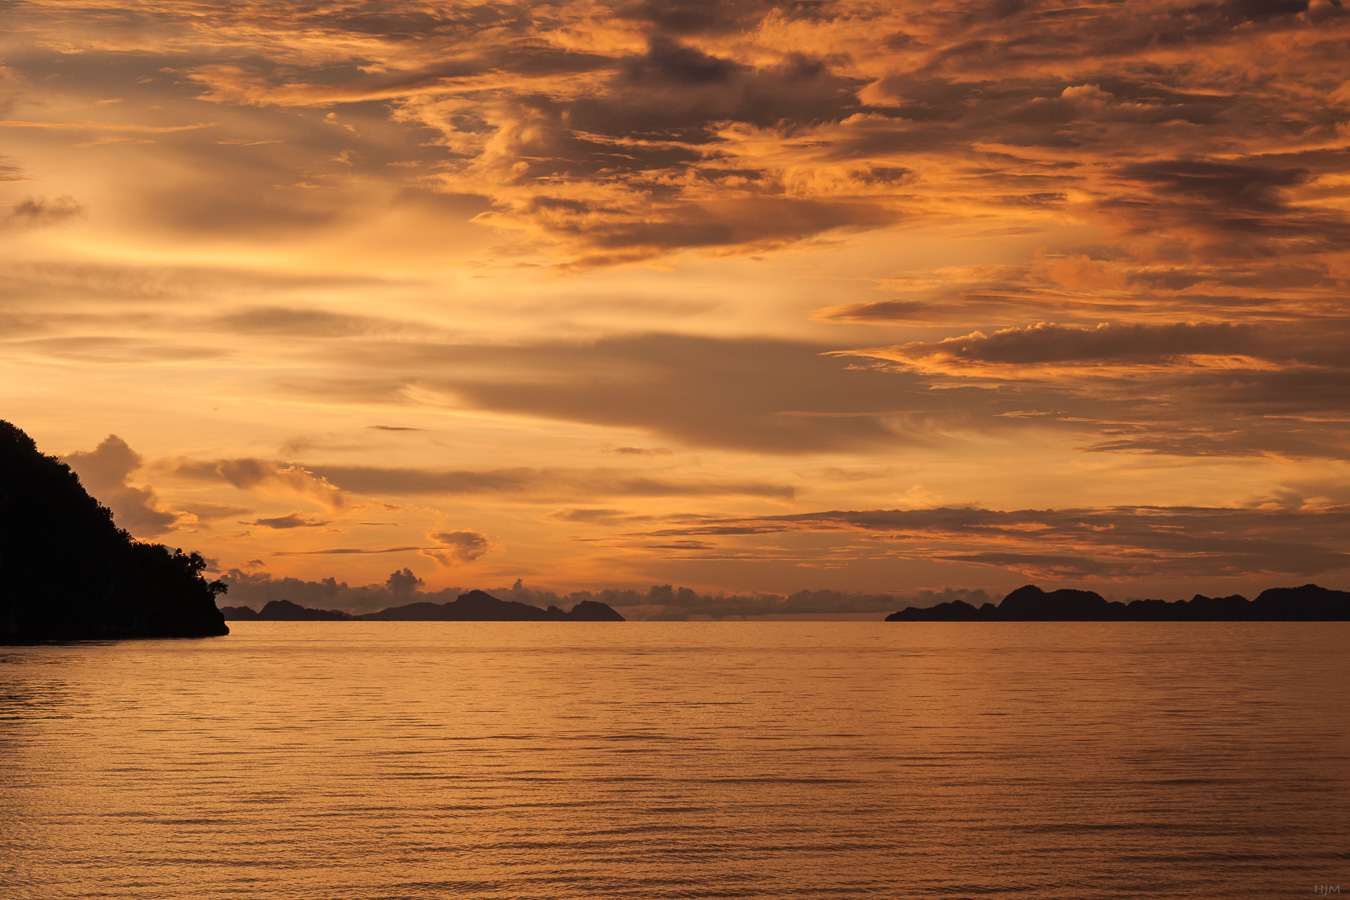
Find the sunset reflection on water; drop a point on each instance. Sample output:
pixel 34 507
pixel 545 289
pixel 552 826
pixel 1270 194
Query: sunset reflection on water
pixel 692 760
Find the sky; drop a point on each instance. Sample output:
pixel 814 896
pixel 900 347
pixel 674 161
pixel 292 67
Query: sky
pixel 828 299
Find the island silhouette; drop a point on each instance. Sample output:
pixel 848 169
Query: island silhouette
pixel 475 606
pixel 1029 603
pixel 67 572
pixel 283 611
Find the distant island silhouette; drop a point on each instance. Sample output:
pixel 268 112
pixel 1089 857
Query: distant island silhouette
pixel 475 606
pixel 67 572
pixel 1308 603
pixel 282 611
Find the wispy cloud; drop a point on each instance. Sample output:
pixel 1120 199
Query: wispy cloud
pixel 1118 542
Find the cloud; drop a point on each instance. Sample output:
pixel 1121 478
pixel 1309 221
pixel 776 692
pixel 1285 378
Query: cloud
pixel 256 589
pixel 590 516
pixel 1159 381
pixel 1244 389
pixel 267 477
pixel 402 584
pixel 761 395
pixel 1050 343
pixel 292 520
pixel 1109 542
pixel 639 451
pixel 666 60
pixel 1225 207
pixel 346 551
pixel 458 547
pixel 205 512
pixel 617 131
pixel 687 17
pixel 284 321
pixel 540 483
pixel 40 212
pixel 105 472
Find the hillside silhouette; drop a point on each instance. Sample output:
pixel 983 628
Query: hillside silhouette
pixel 1029 603
pixel 67 572
pixel 475 606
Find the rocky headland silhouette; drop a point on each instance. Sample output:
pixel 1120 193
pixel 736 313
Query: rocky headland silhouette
pixel 67 572
pixel 1029 603
pixel 475 606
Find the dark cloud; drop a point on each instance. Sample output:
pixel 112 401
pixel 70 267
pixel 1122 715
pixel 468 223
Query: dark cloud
pixel 1230 208
pixel 347 551
pixel 765 395
pixel 401 585
pixel 540 484
pixel 749 223
pixel 1196 387
pixel 1259 10
pixel 700 93
pixel 40 212
pixel 639 451
pixel 594 516
pixel 1050 343
pixel 641 159
pixel 292 520
pixel 912 312
pixel 1115 542
pixel 1057 33
pixel 690 17
pixel 1254 189
pixel 256 589
pixel 681 545
pixel 1074 289
pixel 671 62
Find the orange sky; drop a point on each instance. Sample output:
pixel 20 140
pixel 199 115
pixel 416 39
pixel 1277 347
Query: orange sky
pixel 868 297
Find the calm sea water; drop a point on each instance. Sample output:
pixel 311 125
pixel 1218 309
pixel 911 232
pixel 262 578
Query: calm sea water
pixel 680 760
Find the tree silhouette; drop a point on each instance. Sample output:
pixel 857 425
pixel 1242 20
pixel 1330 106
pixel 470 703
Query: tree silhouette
pixel 68 572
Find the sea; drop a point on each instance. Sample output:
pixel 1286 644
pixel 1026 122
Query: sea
pixel 681 760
